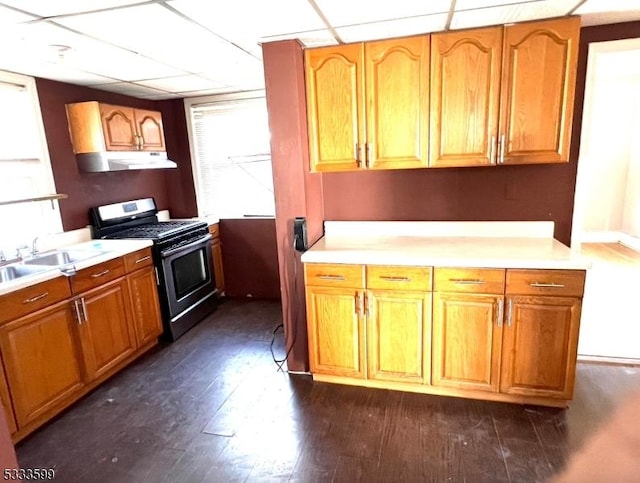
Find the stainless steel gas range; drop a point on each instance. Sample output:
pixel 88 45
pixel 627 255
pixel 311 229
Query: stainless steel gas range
pixel 182 257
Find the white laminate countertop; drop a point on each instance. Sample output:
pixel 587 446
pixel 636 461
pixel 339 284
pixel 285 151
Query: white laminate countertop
pixel 506 251
pixel 105 250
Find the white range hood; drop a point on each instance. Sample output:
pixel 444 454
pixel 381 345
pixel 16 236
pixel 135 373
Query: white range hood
pixel 123 161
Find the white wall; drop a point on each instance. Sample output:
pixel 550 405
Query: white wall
pixel 608 184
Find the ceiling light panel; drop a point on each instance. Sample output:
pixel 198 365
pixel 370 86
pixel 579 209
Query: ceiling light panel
pixel 393 28
pixel 353 12
pixel 596 6
pixel 48 8
pixel 158 33
pixel 244 22
pixel 511 13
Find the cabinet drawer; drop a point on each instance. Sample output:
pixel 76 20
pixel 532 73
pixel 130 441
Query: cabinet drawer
pixel 546 282
pixel 137 260
pixel 334 275
pixel 97 275
pixel 471 280
pixel 29 299
pixel 399 278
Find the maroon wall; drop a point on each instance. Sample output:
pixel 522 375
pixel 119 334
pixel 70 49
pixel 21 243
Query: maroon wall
pixel 90 189
pixel 249 258
pixel 297 192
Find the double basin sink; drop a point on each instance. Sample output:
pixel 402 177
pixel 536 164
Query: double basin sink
pixel 44 262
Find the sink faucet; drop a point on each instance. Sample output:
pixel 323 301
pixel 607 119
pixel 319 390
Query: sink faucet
pixel 2 257
pixel 19 251
pixel 34 246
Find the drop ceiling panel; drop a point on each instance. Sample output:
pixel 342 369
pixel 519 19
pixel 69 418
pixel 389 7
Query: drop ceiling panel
pixel 511 13
pixel 473 4
pixel 352 12
pixel 48 70
pixel 48 8
pixel 207 92
pixel 590 19
pixel 158 33
pixel 313 38
pixel 244 22
pixel 393 28
pixel 596 6
pixel 9 17
pixel 181 83
pixel 134 90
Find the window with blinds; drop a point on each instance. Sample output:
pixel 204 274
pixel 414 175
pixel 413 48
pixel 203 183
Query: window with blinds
pixel 232 160
pixel 25 169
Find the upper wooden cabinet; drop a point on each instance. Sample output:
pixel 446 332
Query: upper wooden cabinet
pixel 538 85
pixel 497 95
pixel 97 127
pixel 367 105
pixel 465 97
pixel 503 95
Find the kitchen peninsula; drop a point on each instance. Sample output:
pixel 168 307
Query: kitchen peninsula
pixel 486 310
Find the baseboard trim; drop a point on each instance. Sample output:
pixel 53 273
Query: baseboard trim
pixel 622 361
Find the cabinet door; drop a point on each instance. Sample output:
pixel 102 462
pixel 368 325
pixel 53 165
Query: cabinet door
pixel 538 84
pixel 118 126
pixel 465 96
pixel 5 399
pixel 399 336
pixel 467 333
pixel 149 128
pixel 336 331
pixel 41 360
pixel 335 107
pixel 397 103
pixel 105 332
pixel 540 346
pixel 145 306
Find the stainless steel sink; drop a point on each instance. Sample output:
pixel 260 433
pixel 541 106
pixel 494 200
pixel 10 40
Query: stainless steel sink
pixel 12 272
pixel 58 258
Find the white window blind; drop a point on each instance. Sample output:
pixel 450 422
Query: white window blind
pixel 25 170
pixel 232 165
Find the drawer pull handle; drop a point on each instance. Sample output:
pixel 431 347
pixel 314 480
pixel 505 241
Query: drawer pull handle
pixel 509 312
pixel 36 298
pixel 331 277
pixel 395 279
pixel 100 274
pixel 140 260
pixel 466 281
pixel 546 285
pixel 500 314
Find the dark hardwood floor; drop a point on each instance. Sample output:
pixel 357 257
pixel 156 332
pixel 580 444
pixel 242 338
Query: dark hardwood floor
pixel 212 407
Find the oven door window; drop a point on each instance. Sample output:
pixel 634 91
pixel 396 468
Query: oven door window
pixel 189 272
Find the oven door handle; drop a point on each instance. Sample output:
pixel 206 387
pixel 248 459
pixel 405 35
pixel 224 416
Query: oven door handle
pixel 172 251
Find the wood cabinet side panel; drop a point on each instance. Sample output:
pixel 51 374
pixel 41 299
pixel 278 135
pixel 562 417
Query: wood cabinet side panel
pixel 85 127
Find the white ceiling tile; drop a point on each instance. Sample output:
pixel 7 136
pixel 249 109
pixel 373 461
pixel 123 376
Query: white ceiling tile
pixel 163 36
pixel 511 13
pixel 596 6
pixel 314 38
pixel 589 19
pixel 393 28
pixel 181 83
pixel 209 92
pixel 47 8
pixel 39 41
pixel 130 89
pixel 9 17
pixel 353 12
pixel 233 21
pixel 48 70
pixel 472 4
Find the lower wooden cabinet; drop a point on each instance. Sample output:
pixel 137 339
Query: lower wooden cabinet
pixel 467 333
pixel 147 320
pixel 62 345
pixel 105 328
pixel 496 334
pixel 336 331
pixel 398 336
pixel 540 346
pixel 42 361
